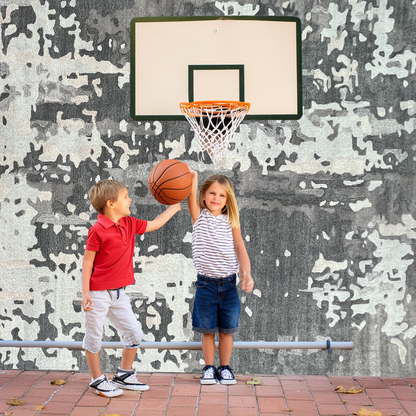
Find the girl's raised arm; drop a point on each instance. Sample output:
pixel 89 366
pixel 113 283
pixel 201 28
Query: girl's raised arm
pixel 193 205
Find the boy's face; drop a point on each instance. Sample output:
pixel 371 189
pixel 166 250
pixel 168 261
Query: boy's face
pixel 121 207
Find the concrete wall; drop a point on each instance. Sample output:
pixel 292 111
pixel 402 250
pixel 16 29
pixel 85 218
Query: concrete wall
pixel 327 203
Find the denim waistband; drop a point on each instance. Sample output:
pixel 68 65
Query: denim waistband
pixel 229 278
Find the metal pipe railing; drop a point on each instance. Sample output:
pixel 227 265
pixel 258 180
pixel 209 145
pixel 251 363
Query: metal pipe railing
pixel 77 345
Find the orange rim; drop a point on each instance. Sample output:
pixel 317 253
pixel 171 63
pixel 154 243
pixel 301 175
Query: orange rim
pixel 201 105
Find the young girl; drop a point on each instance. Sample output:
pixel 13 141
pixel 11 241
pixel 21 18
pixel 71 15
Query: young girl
pixel 218 252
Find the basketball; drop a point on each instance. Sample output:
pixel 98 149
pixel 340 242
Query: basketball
pixel 170 181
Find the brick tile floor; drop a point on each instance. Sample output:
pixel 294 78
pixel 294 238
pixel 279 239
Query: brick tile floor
pixel 182 395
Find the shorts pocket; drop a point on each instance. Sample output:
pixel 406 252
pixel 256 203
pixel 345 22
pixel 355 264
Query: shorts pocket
pixel 200 284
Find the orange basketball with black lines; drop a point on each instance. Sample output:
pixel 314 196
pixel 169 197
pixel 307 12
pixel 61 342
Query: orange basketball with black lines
pixel 170 181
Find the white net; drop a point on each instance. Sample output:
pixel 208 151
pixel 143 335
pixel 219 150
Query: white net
pixel 214 123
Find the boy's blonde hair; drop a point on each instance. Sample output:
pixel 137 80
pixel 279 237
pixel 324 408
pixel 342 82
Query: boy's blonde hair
pixel 231 208
pixel 103 191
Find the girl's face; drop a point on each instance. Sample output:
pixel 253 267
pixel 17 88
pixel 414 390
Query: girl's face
pixel 215 198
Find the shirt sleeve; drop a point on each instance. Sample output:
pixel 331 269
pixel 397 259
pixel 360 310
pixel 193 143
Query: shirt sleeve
pixel 140 226
pixel 93 241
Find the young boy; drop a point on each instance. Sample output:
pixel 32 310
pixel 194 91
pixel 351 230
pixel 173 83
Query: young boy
pixel 107 270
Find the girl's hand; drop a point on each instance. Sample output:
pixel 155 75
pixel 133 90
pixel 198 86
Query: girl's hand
pixel 246 281
pixel 87 303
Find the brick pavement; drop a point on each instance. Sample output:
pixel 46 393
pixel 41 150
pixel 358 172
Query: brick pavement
pixel 182 395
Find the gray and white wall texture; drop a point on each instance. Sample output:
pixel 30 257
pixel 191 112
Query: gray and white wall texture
pixel 327 202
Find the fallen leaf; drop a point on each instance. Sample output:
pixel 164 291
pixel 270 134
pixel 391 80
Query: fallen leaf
pixel 198 376
pixel 365 412
pixel 351 390
pixel 8 413
pixel 16 402
pixel 255 382
pixel 108 401
pixel 58 382
pixel 40 407
pixel 344 402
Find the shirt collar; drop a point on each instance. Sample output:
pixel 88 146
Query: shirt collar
pixel 105 221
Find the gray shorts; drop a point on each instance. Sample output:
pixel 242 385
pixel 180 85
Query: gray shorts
pixel 114 304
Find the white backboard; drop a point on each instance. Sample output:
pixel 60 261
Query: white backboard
pixel 252 59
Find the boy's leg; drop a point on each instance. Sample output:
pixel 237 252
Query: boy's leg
pixel 93 360
pixel 122 317
pixel 94 322
pixel 127 358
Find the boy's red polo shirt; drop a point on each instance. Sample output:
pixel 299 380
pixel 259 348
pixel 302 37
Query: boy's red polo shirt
pixel 114 244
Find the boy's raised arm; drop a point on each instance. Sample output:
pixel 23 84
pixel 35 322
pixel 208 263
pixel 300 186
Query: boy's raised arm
pixel 193 205
pixel 163 218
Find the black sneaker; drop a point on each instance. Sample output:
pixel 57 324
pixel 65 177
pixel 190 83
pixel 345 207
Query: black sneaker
pixel 105 387
pixel 225 375
pixel 128 381
pixel 210 375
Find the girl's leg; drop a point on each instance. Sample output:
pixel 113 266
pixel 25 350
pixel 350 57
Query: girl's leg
pixel 127 358
pixel 208 348
pixel 93 360
pixel 225 347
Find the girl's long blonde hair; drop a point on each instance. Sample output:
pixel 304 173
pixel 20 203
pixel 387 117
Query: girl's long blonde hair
pixel 231 208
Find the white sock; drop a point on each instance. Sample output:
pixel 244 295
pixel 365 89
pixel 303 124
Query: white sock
pixel 122 370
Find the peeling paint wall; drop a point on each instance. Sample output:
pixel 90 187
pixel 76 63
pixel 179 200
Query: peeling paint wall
pixel 328 202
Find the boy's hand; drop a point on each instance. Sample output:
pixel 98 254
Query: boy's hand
pixel 87 303
pixel 176 207
pixel 246 281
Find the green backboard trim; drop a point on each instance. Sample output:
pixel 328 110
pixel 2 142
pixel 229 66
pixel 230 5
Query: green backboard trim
pixel 193 68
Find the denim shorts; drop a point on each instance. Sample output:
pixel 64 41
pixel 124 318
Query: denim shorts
pixel 216 305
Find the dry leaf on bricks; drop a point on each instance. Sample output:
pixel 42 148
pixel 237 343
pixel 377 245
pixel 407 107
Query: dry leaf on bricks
pixel 58 382
pixel 16 402
pixel 255 382
pixel 40 407
pixel 365 412
pixel 351 390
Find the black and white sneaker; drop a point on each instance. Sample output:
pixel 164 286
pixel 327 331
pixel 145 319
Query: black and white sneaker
pixel 128 381
pixel 225 375
pixel 210 375
pixel 104 387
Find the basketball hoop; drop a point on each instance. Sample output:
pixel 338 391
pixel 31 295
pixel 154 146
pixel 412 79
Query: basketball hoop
pixel 214 123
